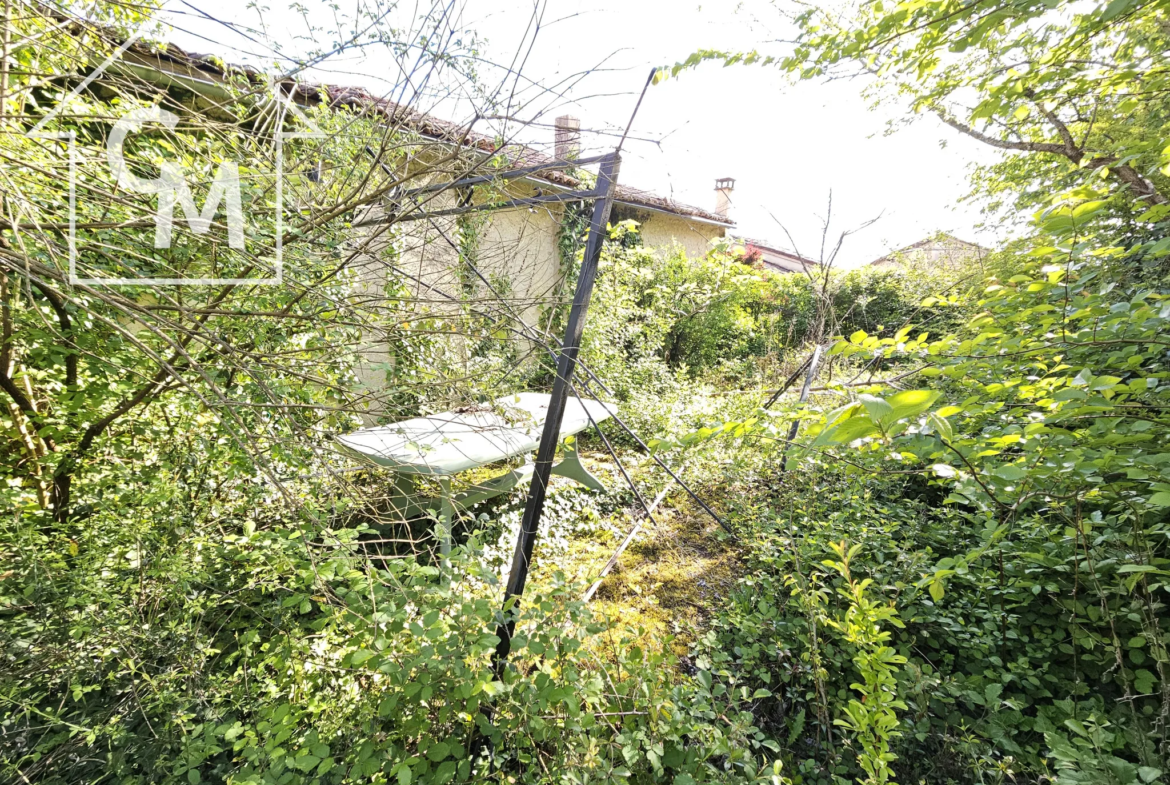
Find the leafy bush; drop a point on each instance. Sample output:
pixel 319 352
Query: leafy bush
pixel 171 653
pixel 696 315
pixel 669 335
pixel 1019 531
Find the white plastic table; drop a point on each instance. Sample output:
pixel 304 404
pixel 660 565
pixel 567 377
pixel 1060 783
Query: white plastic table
pixel 443 445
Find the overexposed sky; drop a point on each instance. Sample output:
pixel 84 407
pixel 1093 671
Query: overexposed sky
pixel 786 145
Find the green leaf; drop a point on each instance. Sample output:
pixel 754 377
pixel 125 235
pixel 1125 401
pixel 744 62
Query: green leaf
pixel 877 408
pixel 1160 499
pixel 1144 681
pixel 842 413
pixel 445 772
pixel 1087 209
pixel 306 762
pixel 847 431
pixel 1011 472
pixel 1112 11
pixel 1060 748
pixel 1104 382
pixel 909 403
pixel 941 426
pixel 1149 773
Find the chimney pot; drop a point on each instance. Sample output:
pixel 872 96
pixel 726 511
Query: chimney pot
pixel 568 137
pixel 723 188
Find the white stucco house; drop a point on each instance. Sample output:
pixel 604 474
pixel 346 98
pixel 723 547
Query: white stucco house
pixel 522 252
pixel 524 249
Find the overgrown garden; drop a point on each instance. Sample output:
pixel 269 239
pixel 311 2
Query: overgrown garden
pixel 956 572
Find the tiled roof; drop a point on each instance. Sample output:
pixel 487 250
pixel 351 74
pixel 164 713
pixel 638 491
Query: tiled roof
pixel 780 259
pixel 940 240
pixel 638 197
pixel 427 125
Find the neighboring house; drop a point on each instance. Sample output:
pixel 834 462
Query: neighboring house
pixel 942 251
pixel 775 259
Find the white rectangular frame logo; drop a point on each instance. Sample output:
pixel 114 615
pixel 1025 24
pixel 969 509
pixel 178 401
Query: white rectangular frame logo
pixel 285 105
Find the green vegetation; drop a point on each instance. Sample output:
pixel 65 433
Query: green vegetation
pixel 956 573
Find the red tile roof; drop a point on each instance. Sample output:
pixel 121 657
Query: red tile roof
pixel 777 258
pixel 427 125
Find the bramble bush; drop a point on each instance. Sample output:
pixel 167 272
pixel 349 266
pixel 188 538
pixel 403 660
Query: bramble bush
pixel 700 314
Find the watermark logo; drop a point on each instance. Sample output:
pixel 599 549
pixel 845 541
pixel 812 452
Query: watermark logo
pixel 230 202
pixel 171 186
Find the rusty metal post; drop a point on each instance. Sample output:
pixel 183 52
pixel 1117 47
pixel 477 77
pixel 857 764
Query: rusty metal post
pixel 566 364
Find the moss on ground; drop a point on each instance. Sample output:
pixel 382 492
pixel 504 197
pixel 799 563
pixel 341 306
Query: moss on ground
pixel 666 583
pixel 668 579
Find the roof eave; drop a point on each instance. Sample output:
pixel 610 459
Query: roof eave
pixel 664 211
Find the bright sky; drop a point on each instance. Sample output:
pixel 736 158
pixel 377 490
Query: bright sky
pixel 786 145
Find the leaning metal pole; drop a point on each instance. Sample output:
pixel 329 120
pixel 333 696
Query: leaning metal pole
pixel 566 364
pixel 813 362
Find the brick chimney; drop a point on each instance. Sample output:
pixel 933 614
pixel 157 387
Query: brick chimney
pixel 568 137
pixel 723 188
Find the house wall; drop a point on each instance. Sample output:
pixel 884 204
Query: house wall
pixel 516 250
pixel 662 230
